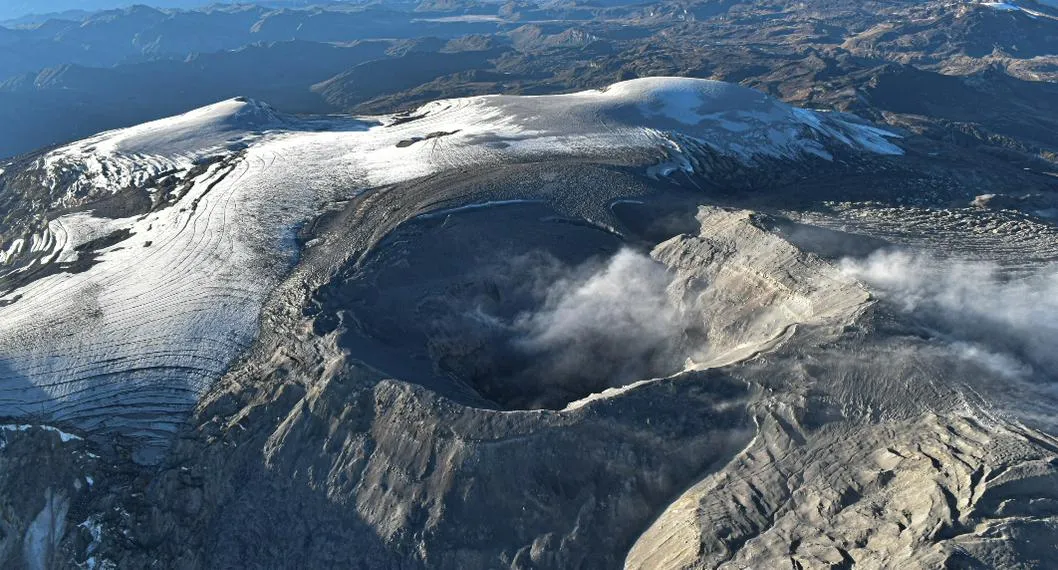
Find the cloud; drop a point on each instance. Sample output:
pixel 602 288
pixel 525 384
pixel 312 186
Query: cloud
pixel 539 332
pixel 1006 322
pixel 618 321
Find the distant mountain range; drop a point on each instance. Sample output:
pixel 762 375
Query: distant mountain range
pixel 21 8
pixel 62 79
pixel 25 11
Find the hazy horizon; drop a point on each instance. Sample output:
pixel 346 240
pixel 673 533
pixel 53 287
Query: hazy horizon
pixel 14 10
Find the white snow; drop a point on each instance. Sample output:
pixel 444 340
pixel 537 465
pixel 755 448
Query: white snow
pixel 123 158
pixel 95 528
pixel 1011 7
pixel 16 247
pixel 130 343
pixel 1004 6
pixel 64 436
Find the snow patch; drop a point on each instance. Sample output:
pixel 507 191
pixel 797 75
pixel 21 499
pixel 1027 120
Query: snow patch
pixel 1011 7
pixel 1002 6
pixel 94 526
pixel 64 436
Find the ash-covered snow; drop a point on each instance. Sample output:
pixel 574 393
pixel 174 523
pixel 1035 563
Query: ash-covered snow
pixel 130 342
pixel 475 206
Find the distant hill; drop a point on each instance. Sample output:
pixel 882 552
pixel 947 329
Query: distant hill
pixel 21 8
pixel 67 102
pixel 29 11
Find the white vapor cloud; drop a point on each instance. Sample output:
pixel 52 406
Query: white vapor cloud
pixel 1008 324
pixel 618 321
pixel 535 331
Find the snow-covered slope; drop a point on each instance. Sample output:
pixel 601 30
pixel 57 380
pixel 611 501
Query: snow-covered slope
pixel 120 324
pixel 130 157
pixel 1016 8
